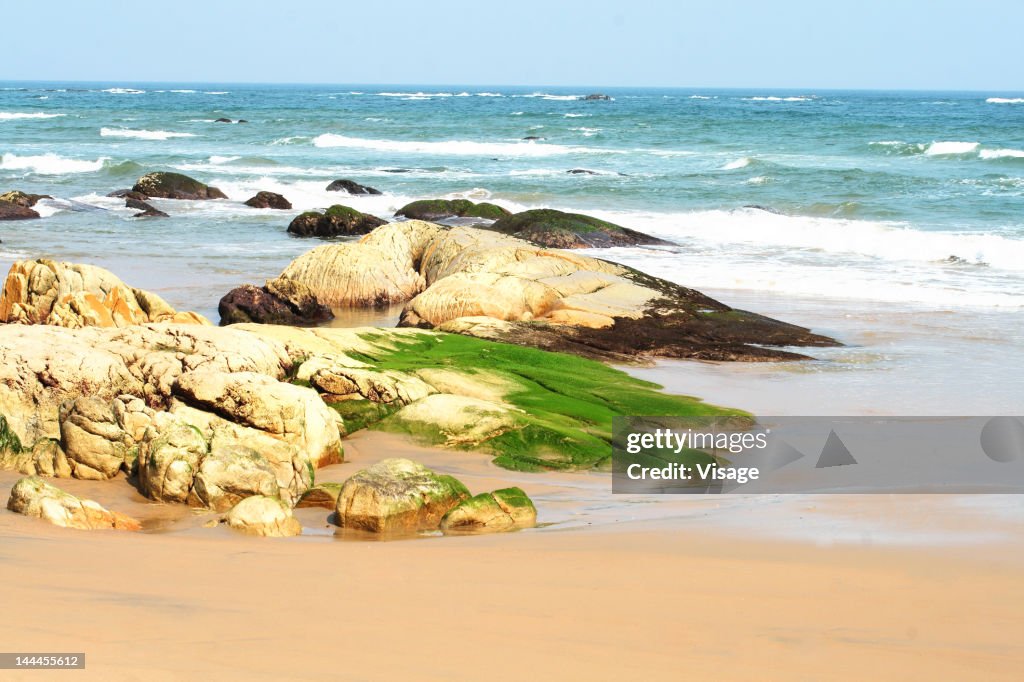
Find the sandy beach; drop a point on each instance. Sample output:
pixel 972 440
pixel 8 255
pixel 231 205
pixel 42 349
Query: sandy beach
pixel 606 587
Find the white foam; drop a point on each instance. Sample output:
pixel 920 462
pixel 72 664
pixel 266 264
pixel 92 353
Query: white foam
pixel 416 95
pixel 1001 154
pixel 18 115
pixel 452 147
pixel 215 92
pixel 1005 100
pixel 182 91
pixel 489 94
pixel 778 99
pixel 124 91
pixel 223 159
pixel 141 134
pixel 759 180
pixel 737 164
pixel 950 148
pixel 575 115
pixel 700 97
pixel 50 164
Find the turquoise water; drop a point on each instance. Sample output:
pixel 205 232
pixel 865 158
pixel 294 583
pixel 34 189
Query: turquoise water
pixel 870 194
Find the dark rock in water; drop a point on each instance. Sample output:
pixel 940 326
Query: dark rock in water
pixel 22 199
pixel 269 200
pixel 396 170
pixel 164 185
pixel 556 229
pixel 437 209
pixel 581 171
pixel 280 301
pixel 766 209
pixel 596 97
pixel 532 138
pixel 128 194
pixel 337 221
pixel 12 211
pixel 223 120
pixel 147 210
pixel 241 120
pixel 351 187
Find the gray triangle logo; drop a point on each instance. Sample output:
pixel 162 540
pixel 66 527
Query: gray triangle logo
pixel 835 453
pixel 783 454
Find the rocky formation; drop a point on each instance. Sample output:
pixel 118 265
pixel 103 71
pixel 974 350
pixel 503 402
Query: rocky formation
pixel 279 301
pixel 165 185
pixel 506 509
pixel 73 295
pixel 12 211
pixel 145 209
pixel 476 282
pixel 596 97
pixel 269 200
pixel 128 194
pixel 351 187
pixel 324 495
pixel 19 198
pixel 560 230
pixel 397 495
pixel 263 516
pixel 336 221
pixel 32 496
pixel 438 209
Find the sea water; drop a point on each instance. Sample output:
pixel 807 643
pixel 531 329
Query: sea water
pixel 892 220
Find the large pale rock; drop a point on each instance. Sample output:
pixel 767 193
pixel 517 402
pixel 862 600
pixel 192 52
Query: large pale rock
pixel 74 295
pixel 293 414
pixel 32 496
pixel 505 509
pixel 346 383
pixel 169 458
pixel 354 276
pixel 231 473
pixel 94 437
pixel 263 516
pixel 397 495
pixel 454 420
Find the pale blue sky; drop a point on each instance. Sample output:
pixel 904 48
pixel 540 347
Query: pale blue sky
pixel 885 44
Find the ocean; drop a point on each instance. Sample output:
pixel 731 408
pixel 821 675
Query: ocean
pixel 859 213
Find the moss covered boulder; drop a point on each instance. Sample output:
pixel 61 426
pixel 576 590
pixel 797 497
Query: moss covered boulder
pixel 560 230
pixel 397 495
pixel 505 509
pixel 351 187
pixel 19 198
pixel 268 200
pixel 323 495
pixel 165 185
pixel 439 209
pixel 336 221
pixel 263 516
pixel 32 496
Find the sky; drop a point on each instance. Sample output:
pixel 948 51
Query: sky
pixel 842 44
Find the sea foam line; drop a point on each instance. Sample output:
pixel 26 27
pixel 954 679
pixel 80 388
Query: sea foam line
pixel 453 147
pixel 50 164
pixel 141 134
pixel 17 115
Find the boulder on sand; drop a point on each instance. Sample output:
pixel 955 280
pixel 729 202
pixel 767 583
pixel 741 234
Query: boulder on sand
pixel 166 185
pixel 438 209
pixel 74 295
pixel 560 230
pixel 505 509
pixel 397 495
pixel 268 200
pixel 263 516
pixel 279 301
pixel 351 187
pixel 32 496
pixel 336 221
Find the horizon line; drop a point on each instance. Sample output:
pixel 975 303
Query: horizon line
pixel 594 88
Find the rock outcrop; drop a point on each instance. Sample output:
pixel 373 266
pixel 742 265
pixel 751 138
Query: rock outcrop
pixel 32 496
pixel 397 495
pixel 439 209
pixel 481 283
pixel 501 510
pixel 12 211
pixel 279 301
pixel 351 187
pixel 560 230
pixel 263 516
pixel 323 495
pixel 74 295
pixel 166 185
pixel 268 200
pixel 19 198
pixel 146 210
pixel 596 97
pixel 336 221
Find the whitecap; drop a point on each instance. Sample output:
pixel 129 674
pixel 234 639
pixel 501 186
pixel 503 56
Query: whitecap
pixel 778 99
pixel 50 164
pixel 701 97
pixel 223 159
pixel 215 92
pixel 950 148
pixel 489 94
pixel 123 91
pixel 1005 100
pixel 141 134
pixel 989 154
pixel 183 92
pixel 16 115
pixel 452 147
pixel 737 164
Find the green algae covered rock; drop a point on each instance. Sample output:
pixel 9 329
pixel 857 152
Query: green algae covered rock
pixel 336 221
pixel 560 230
pixel 397 495
pixel 175 186
pixel 438 209
pixel 501 510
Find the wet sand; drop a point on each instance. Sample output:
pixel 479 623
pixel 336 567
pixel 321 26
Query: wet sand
pixel 738 588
